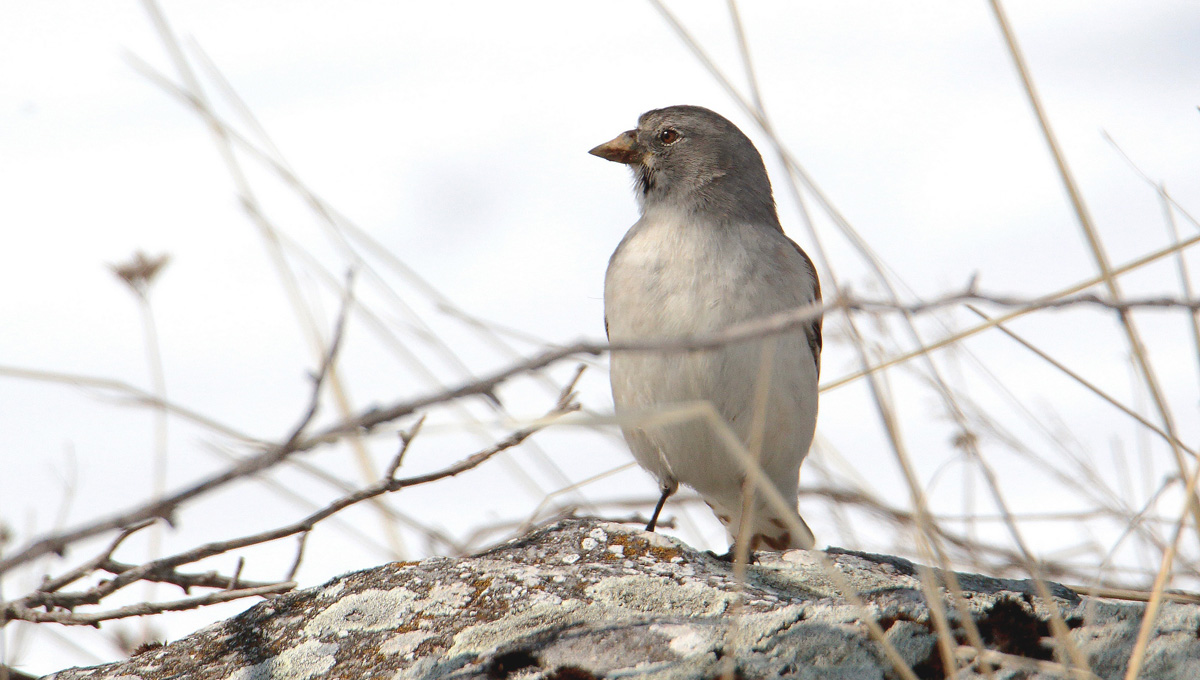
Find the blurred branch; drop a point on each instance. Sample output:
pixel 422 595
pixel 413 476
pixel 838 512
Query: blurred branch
pixel 14 611
pixel 1073 289
pixel 52 601
pixel 1136 345
pixel 1030 304
pixel 165 506
pixel 134 395
pixel 297 441
pixel 186 582
pixel 1090 386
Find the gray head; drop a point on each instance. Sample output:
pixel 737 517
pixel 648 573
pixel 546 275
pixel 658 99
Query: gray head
pixel 690 158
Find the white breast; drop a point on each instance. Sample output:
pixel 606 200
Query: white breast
pixel 669 278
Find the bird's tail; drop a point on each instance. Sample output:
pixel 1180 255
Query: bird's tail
pixel 769 529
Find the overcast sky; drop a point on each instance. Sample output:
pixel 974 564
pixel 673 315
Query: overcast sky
pixel 455 134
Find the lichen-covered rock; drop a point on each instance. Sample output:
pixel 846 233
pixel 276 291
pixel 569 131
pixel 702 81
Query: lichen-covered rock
pixel 582 600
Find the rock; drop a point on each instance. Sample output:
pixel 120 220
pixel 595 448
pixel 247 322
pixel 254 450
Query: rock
pixel 581 600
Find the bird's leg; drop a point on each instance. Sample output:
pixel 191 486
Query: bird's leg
pixel 666 493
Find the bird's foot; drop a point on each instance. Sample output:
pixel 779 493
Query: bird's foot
pixel 751 557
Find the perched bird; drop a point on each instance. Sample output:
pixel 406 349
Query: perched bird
pixel 709 253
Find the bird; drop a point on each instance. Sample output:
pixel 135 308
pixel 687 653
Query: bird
pixel 708 253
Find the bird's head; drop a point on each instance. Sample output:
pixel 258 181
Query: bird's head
pixel 690 158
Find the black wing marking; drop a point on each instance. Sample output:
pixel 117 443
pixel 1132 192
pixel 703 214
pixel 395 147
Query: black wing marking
pixel 813 329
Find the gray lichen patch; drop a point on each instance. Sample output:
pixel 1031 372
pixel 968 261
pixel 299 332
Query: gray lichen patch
pixel 758 631
pixel 404 644
pixel 445 599
pixel 333 590
pixel 307 660
pixel 367 611
pixel 539 616
pixel 688 640
pixel 584 599
pixel 807 571
pixel 660 595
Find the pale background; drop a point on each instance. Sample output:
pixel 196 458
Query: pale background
pixel 456 134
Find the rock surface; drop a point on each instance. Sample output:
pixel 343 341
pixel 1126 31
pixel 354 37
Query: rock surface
pixel 582 600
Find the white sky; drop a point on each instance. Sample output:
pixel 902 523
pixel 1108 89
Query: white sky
pixel 456 134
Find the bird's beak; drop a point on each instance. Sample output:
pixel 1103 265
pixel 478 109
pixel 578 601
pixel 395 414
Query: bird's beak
pixel 622 149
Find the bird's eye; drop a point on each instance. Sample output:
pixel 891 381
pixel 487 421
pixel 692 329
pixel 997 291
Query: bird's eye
pixel 668 136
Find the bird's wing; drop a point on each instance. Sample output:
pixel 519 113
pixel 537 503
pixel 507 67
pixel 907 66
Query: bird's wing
pixel 813 329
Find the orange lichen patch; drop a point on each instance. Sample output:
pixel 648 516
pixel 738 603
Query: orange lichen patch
pixel 486 602
pixel 412 624
pixel 637 547
pixel 479 585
